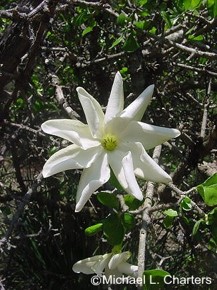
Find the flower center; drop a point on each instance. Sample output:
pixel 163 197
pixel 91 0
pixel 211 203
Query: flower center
pixel 109 142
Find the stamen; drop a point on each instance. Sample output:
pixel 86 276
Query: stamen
pixel 109 142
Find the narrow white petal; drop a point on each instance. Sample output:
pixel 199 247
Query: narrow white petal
pixel 122 166
pixel 137 108
pixel 86 266
pixel 116 99
pixel 115 161
pixel 71 130
pixel 128 269
pixel 102 264
pixel 71 157
pixel 133 186
pixel 92 110
pixel 149 135
pixel 145 167
pixel 117 259
pixel 91 179
pixel 118 127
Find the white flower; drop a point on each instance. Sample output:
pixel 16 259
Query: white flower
pixel 115 140
pixel 107 264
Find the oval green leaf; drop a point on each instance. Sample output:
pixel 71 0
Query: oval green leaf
pixel 208 190
pixel 108 199
pixel 94 229
pixel 113 229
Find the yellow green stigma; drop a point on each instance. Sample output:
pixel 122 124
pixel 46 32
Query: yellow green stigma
pixel 109 142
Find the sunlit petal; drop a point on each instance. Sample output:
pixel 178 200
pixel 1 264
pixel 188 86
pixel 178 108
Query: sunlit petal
pixel 71 130
pixel 118 127
pixel 116 99
pixel 133 186
pixel 145 167
pixel 137 108
pixel 93 111
pixel 71 157
pixel 128 269
pixel 101 264
pixel 149 135
pixel 122 166
pixel 91 179
pixel 117 259
pixel 86 266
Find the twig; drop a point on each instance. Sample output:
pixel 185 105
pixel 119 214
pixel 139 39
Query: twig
pixel 193 51
pixel 24 127
pixel 197 69
pixel 183 194
pixel 161 207
pixel 146 221
pixel 99 4
pixel 205 112
pixel 61 100
pixel 102 59
pixel 19 211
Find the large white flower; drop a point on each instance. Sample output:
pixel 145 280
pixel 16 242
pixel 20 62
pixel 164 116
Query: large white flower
pixel 107 264
pixel 115 140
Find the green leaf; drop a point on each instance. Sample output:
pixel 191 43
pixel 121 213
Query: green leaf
pixel 154 279
pixel 186 203
pixel 80 18
pixel 211 217
pixel 142 2
pixel 212 245
pixel 208 190
pixel 124 70
pixel 214 233
pixel 212 6
pixel 132 202
pixel 87 30
pixel 94 229
pixel 52 150
pixel 131 44
pixel 122 19
pixel 171 213
pixel 128 221
pixel 108 199
pixel 113 229
pixel 191 4
pixel 20 103
pixel 153 30
pixel 168 222
pixel 38 105
pixel 116 42
pixel 210 3
pixel 166 17
pixel 140 24
pixel 197 226
pixel 195 38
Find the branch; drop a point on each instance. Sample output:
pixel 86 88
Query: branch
pixel 182 194
pixel 60 98
pixel 193 51
pixel 19 211
pixel 205 112
pixel 24 127
pixel 146 220
pixel 102 59
pixel 197 69
pixel 99 4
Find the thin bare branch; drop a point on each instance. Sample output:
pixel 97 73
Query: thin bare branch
pixel 146 220
pixel 20 210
